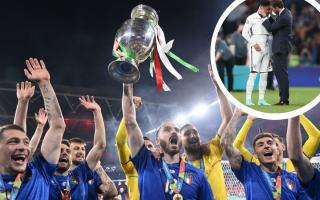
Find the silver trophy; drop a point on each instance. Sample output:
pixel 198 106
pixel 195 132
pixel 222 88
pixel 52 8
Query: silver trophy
pixel 136 38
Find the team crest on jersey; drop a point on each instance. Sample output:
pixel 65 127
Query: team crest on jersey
pixel 74 180
pixel 91 181
pixel 188 178
pixel 290 183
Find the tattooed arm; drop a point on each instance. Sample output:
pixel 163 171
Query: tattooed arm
pixel 50 148
pixel 234 156
pixel 25 91
pixel 107 187
pixel 129 114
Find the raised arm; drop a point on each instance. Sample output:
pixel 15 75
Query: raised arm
pixel 240 140
pixel 301 163
pixel 122 146
pixel 25 91
pixel 311 146
pixel 41 119
pixel 225 107
pixel 50 147
pixel 99 144
pixel 107 187
pixel 233 154
pixel 121 141
pixel 129 115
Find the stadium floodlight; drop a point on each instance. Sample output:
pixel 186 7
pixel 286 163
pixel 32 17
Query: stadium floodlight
pixel 180 119
pixel 199 110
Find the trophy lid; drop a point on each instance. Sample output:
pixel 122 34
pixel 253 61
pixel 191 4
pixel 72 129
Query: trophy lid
pixel 145 12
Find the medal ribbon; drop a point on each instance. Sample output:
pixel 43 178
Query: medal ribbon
pixel 175 186
pixel 275 189
pixel 65 192
pixel 14 191
pixel 202 167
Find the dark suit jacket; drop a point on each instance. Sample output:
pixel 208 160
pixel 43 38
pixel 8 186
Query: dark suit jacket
pixel 281 29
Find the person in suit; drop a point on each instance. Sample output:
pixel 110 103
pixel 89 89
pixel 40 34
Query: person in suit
pixel 281 29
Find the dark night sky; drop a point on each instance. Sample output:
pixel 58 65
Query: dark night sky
pixel 75 38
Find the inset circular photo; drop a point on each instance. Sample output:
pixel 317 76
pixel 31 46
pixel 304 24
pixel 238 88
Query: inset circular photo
pixel 267 55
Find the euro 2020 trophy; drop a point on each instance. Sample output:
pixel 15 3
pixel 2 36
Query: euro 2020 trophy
pixel 136 38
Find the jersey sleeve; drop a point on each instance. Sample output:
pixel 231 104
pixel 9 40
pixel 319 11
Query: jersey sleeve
pixel 45 168
pixel 244 169
pixel 83 171
pixel 239 142
pixel 123 148
pixel 141 159
pixel 247 32
pixel 310 147
pixel 312 188
pixel 215 146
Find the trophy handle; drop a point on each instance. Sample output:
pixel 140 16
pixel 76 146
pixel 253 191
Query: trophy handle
pixel 124 70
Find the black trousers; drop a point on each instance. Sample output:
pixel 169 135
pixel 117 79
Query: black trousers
pixel 280 70
pixel 228 64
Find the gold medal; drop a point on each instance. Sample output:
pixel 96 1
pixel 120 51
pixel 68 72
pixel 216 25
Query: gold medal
pixel 177 197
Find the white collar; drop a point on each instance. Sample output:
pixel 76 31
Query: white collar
pixel 281 11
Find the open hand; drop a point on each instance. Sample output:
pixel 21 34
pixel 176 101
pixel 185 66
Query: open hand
pixel 36 71
pixel 89 103
pixel 117 50
pixel 137 102
pixel 41 117
pixel 257 47
pixel 25 90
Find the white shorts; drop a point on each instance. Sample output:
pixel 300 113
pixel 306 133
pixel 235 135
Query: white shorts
pixel 260 62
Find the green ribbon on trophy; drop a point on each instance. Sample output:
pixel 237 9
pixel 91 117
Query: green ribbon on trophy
pixel 139 38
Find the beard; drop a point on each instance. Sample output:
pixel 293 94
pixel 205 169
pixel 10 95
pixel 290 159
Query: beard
pixel 63 169
pixel 165 147
pixel 197 149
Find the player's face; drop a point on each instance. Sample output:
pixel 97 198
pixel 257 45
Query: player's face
pixel 266 150
pixel 64 159
pixel 276 10
pixel 78 152
pixel 267 10
pixel 149 145
pixel 280 146
pixel 190 139
pixel 15 150
pixel 169 139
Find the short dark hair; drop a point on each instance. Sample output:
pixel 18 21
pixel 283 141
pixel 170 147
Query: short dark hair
pixel 9 127
pixel 146 138
pixel 277 4
pixel 159 128
pixel 77 140
pixel 265 3
pixel 261 135
pixel 66 142
pixel 185 126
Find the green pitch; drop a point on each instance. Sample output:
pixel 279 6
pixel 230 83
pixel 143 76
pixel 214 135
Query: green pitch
pixel 298 97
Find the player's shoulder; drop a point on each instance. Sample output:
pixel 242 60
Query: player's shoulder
pixel 253 16
pixel 194 170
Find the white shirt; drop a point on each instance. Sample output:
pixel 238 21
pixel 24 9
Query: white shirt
pixel 253 30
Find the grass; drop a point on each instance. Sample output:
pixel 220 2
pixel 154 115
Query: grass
pixel 298 97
